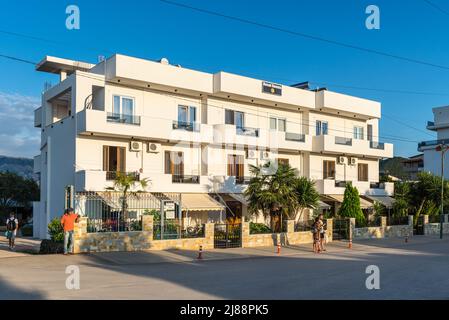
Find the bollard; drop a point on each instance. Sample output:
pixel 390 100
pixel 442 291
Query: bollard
pixel 279 249
pixel 406 238
pixel 200 253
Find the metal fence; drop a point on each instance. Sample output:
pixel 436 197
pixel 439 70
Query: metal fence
pixel 397 221
pixel 435 218
pixel 111 212
pixel 372 222
pixel 172 229
pixel 304 225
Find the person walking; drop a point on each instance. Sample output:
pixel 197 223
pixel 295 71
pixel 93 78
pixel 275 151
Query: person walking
pixel 323 229
pixel 316 235
pixel 68 220
pixel 12 225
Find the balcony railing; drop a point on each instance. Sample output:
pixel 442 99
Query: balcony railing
pixel 188 126
pixel 340 184
pixel 246 131
pixel 242 180
pixel 343 141
pixel 298 137
pixel 192 179
pixel 112 175
pixel 432 143
pixel 430 124
pixel 123 118
pixel 377 185
pixel 377 145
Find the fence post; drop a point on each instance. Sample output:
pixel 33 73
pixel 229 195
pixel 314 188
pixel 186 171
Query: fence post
pixel 290 226
pixel 209 230
pixel 446 218
pixel 329 230
pixel 425 219
pixel 147 223
pixel 245 234
pixel 351 228
pixel 80 231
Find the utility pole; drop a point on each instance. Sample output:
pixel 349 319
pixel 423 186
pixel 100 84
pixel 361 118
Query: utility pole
pixel 443 148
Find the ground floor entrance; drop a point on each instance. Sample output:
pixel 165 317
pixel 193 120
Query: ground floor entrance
pixel 227 235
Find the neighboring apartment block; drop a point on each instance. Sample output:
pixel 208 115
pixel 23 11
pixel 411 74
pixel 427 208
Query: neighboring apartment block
pixel 196 133
pixel 432 156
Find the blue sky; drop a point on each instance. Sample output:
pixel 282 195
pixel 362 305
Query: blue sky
pixel 153 29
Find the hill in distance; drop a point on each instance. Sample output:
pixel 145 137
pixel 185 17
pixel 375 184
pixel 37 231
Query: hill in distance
pixel 21 166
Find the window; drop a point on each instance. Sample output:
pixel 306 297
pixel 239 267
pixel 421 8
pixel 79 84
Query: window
pixel 235 166
pixel 370 132
pixel 123 105
pixel 283 161
pixel 321 127
pixel 186 115
pixel 236 118
pixel 174 163
pixel 277 124
pixel 363 172
pixel 358 133
pixel 328 169
pixel 114 159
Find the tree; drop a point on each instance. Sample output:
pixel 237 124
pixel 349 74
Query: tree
pixel 126 183
pixel 272 194
pixel 350 207
pixel 16 190
pixel 306 195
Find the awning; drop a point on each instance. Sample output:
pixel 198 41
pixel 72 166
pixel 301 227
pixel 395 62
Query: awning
pixel 239 197
pixel 200 202
pixel 364 204
pixel 385 200
pixel 323 205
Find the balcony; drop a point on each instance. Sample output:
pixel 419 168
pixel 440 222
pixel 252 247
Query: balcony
pixel 188 126
pixel 298 137
pixel 246 131
pixel 123 118
pixel 432 144
pixel 112 175
pixel 100 123
pixel 191 179
pixel 242 180
pixel 37 164
pixel 38 117
pixel 289 141
pixel 331 186
pixel 343 145
pixel 230 134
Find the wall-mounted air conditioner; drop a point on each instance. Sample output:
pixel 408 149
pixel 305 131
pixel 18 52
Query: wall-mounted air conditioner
pixel 341 160
pixel 353 161
pixel 251 154
pixel 135 146
pixel 265 155
pixel 154 147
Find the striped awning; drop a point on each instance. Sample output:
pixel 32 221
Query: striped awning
pixel 200 202
pixel 364 204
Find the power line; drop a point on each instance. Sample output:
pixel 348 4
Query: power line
pixel 304 35
pixel 17 59
pixel 430 3
pixel 407 125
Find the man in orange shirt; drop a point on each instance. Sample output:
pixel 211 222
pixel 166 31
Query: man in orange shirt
pixel 68 224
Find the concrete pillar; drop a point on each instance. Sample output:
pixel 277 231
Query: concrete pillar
pixel 410 220
pixel 209 229
pixel 330 229
pixel 383 222
pixel 290 226
pixel 425 219
pixel 80 228
pixel 245 234
pixel 351 228
pixel 446 218
pixel 147 223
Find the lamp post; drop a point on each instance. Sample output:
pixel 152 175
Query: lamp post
pixel 442 148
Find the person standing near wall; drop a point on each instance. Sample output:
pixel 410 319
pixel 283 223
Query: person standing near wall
pixel 12 225
pixel 68 224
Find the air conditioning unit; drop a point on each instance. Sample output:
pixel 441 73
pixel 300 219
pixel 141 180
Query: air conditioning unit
pixel 135 146
pixel 353 161
pixel 341 160
pixel 265 155
pixel 251 154
pixel 154 147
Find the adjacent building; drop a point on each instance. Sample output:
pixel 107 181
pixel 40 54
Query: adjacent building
pixel 196 133
pixel 432 149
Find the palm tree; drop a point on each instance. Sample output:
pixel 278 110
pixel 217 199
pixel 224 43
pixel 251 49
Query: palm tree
pixel 126 183
pixel 306 194
pixel 272 194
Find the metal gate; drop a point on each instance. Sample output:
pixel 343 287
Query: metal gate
pixel 419 227
pixel 228 235
pixel 340 229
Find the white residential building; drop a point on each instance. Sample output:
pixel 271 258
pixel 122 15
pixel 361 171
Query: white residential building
pixel 196 133
pixel 432 157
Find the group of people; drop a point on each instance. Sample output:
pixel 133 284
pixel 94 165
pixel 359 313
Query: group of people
pixel 319 228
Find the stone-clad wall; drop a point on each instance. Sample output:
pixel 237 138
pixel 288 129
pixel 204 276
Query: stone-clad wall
pixel 383 231
pixel 135 240
pixel 434 228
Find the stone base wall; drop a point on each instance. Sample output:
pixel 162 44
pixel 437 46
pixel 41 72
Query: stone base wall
pixel 383 231
pixel 434 229
pixel 398 231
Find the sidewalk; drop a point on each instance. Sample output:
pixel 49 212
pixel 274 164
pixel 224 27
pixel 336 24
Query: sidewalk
pixel 24 247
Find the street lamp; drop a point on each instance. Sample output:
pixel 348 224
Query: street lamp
pixel 443 148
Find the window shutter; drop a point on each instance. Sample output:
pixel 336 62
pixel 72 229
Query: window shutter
pixel 105 158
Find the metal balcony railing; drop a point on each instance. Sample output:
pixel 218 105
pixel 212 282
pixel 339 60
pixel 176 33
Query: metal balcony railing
pixel 192 179
pixel 432 143
pixel 242 180
pixel 188 126
pixel 343 141
pixel 377 185
pixel 246 131
pixel 123 118
pixel 298 137
pixel 340 184
pixel 377 145
pixel 112 175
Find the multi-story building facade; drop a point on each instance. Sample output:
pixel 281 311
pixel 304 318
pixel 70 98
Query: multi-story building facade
pixel 430 149
pixel 196 133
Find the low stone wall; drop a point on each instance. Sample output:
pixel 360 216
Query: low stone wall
pixel 135 240
pixel 285 238
pixel 383 231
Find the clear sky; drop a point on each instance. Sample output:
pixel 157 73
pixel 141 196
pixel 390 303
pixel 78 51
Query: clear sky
pixel 153 29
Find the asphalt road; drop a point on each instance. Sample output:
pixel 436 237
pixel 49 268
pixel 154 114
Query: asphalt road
pixel 415 270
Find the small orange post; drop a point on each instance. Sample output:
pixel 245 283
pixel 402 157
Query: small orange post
pixel 279 249
pixel 200 253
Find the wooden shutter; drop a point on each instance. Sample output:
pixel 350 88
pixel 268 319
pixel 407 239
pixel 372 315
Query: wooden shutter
pixel 240 166
pixel 105 158
pixel 363 171
pixel 168 163
pixel 121 159
pixel 231 161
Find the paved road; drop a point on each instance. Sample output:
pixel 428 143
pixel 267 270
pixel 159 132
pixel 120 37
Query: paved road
pixel 414 270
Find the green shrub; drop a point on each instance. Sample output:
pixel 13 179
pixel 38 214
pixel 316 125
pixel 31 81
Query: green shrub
pixel 55 230
pixel 255 228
